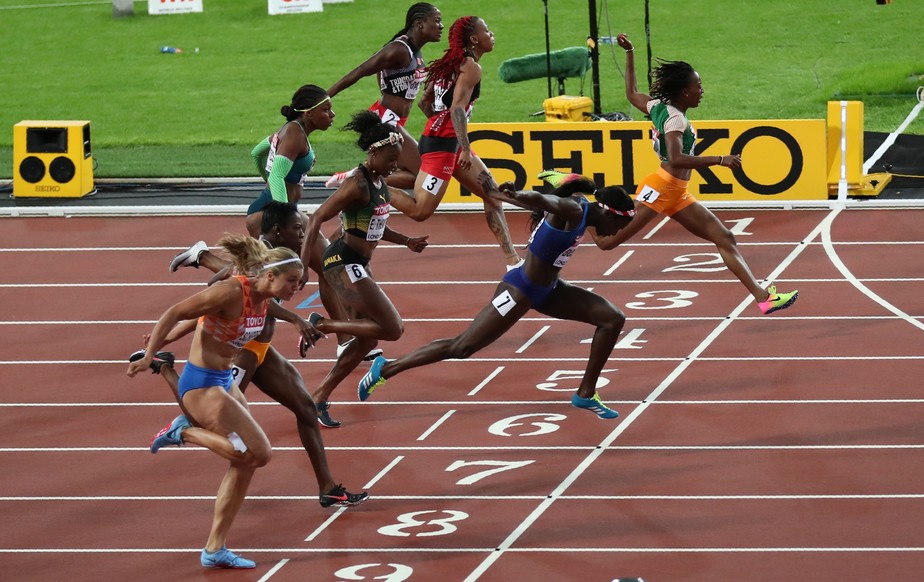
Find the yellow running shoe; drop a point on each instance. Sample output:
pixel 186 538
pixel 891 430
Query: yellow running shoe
pixel 777 301
pixel 553 177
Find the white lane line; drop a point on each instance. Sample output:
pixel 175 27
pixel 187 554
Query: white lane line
pixel 792 496
pixel 657 227
pixel 436 425
pixel 494 449
pixel 618 263
pixel 894 135
pixel 655 318
pixel 842 268
pixel 55 5
pixel 470 550
pixel 533 339
pixel 383 472
pixel 486 381
pixel 274 569
pixel 636 412
pixel 324 525
pixel 616 359
pixel 491 283
pixel 311 537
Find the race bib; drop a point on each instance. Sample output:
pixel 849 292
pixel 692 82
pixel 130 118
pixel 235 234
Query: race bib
pixel 432 184
pixel 389 116
pixel 377 223
pixel 503 303
pixel 648 194
pixel 356 272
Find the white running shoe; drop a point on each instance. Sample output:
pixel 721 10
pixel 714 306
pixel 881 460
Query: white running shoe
pixel 373 353
pixel 518 265
pixel 189 257
pixel 337 179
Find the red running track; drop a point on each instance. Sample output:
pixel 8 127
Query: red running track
pixel 786 447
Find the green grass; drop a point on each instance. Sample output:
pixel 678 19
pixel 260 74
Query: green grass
pixel 198 114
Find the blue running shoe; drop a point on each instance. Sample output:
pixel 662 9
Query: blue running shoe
pixel 594 405
pixel 373 379
pixel 324 415
pixel 225 558
pixel 172 434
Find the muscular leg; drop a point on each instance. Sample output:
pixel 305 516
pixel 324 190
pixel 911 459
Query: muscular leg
pixel 573 303
pixel 346 363
pixel 697 219
pixel 173 380
pixel 329 298
pixel 279 380
pixel 223 413
pixel 487 326
pixel 375 315
pixel 408 163
pixel 422 204
pixel 481 183
pixel 228 502
pixel 377 319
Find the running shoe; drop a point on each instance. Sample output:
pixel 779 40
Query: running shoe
pixel 777 301
pixel 337 179
pixel 338 496
pixel 517 266
pixel 189 257
pixel 303 345
pixel 594 405
pixel 554 178
pixel 160 360
pixel 324 415
pixel 225 558
pixel 373 353
pixel 172 434
pixel 372 380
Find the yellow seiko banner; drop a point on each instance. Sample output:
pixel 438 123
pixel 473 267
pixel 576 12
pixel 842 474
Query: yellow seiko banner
pixel 781 159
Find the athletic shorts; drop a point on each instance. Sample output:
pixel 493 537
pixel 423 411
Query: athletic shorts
pixel 259 349
pixel 536 294
pixel 261 202
pixel 387 115
pixel 664 193
pixel 339 253
pixel 195 377
pixel 439 156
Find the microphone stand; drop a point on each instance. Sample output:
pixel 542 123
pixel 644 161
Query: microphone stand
pixel 548 56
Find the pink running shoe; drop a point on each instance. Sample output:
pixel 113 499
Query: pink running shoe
pixel 337 179
pixel 777 301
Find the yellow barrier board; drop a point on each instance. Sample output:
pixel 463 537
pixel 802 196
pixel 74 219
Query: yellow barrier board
pixel 781 159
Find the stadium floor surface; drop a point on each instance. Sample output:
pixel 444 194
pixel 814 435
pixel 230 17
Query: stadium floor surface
pixel 749 447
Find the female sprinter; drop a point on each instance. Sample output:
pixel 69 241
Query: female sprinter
pixel 559 220
pixel 400 69
pixel 675 89
pixel 230 313
pixel 272 373
pixel 362 203
pixel 453 86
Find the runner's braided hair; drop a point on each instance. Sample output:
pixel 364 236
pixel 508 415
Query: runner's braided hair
pixel 370 128
pixel 447 66
pixel 306 97
pixel 670 78
pixel 418 11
